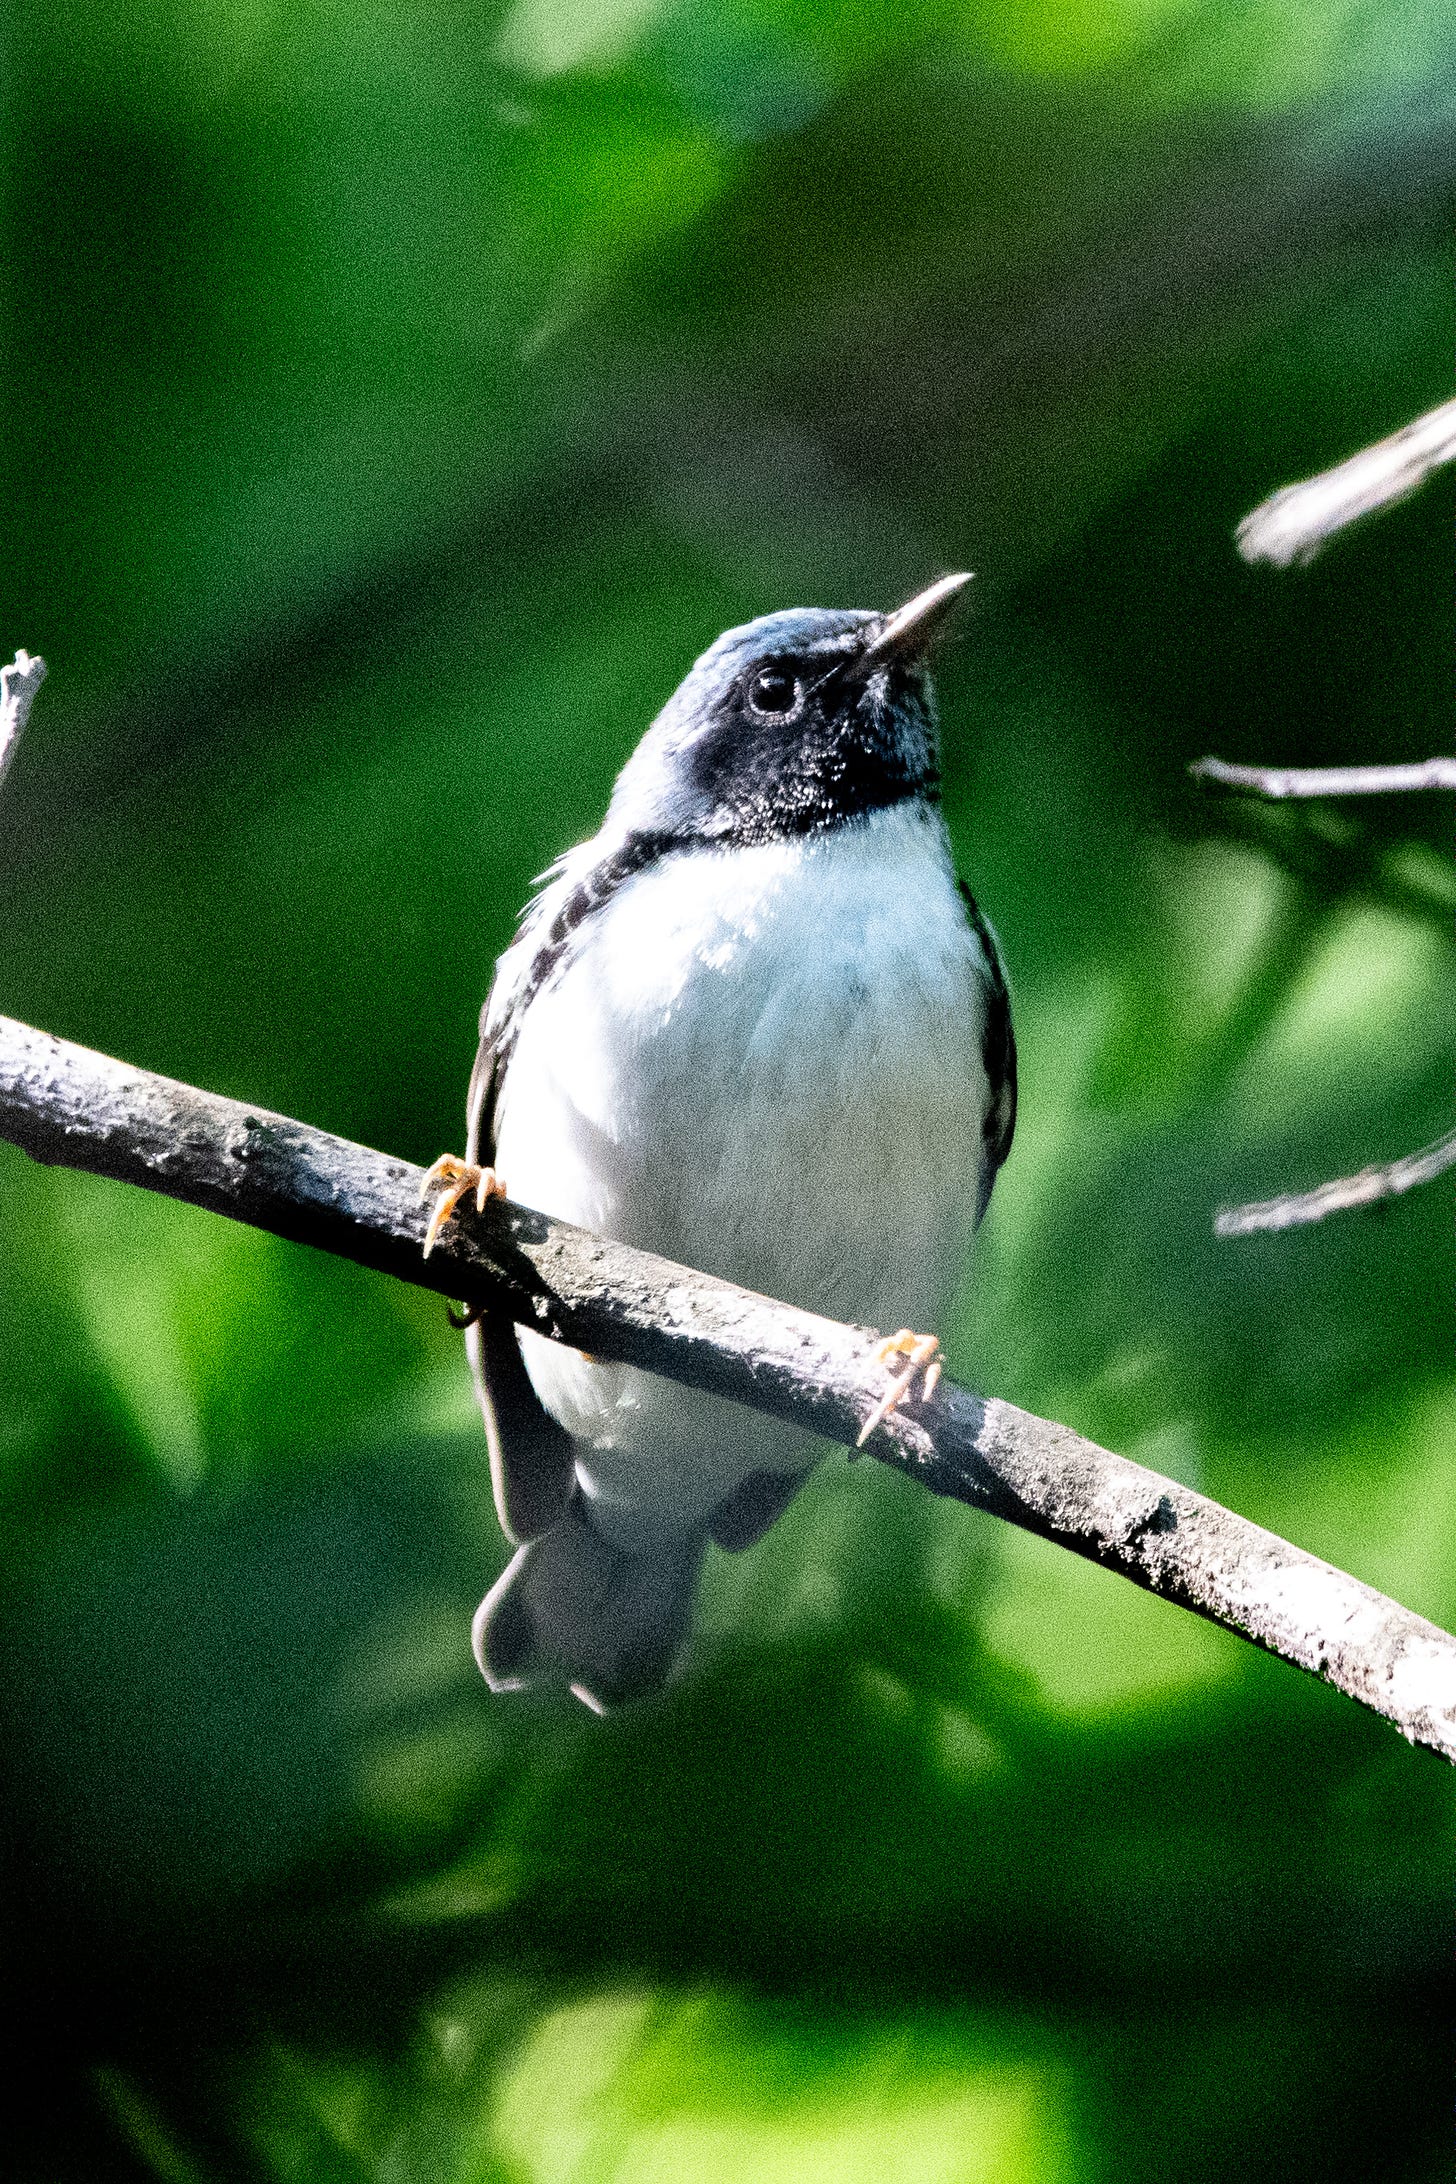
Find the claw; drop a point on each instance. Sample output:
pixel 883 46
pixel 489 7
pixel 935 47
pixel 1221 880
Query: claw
pixel 453 1180
pixel 923 1351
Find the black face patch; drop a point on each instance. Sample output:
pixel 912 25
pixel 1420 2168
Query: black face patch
pixel 797 746
pixel 784 728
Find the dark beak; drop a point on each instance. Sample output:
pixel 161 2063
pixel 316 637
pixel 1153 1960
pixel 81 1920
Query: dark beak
pixel 910 628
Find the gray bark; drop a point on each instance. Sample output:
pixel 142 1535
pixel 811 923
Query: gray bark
pixel 66 1105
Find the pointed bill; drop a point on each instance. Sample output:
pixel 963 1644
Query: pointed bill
pixel 912 625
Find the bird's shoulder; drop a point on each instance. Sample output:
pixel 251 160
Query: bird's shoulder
pixel 570 894
pixel 531 1455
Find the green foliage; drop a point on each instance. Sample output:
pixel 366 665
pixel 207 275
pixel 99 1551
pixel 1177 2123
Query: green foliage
pixel 398 398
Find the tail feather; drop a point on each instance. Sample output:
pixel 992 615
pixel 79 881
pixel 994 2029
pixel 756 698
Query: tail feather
pixel 571 1608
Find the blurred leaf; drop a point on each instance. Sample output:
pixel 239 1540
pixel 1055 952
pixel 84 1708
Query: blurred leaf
pixel 398 399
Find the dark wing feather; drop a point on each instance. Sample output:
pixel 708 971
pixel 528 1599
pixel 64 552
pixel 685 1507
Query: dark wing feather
pixel 484 1084
pixel 998 1052
pixel 532 1459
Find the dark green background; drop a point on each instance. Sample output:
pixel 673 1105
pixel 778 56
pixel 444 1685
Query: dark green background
pixel 398 397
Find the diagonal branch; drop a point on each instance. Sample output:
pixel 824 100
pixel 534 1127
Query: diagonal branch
pixel 1293 524
pixel 1282 781
pixel 1297 1209
pixel 66 1105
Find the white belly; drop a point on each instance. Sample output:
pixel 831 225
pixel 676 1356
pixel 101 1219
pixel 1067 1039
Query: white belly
pixel 764 1063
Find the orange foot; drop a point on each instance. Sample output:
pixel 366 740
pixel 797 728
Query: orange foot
pixel 453 1180
pixel 923 1352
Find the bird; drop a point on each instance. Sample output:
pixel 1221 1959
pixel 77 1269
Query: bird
pixel 755 1024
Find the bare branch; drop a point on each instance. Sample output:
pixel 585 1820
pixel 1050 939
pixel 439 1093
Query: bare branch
pixel 1294 523
pixel 18 685
pixel 66 1105
pixel 1298 1208
pixel 1425 773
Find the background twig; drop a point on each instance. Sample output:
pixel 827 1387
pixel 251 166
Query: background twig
pixel 1282 781
pixel 65 1104
pixel 1296 1209
pixel 1294 523
pixel 19 683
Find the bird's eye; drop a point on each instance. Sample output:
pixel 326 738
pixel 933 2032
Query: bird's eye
pixel 774 690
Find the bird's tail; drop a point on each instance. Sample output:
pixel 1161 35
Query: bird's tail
pixel 570 1608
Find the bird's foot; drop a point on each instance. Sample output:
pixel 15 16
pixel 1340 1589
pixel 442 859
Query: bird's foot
pixel 923 1352
pixel 449 1181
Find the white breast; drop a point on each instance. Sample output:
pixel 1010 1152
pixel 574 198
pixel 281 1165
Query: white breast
pixel 765 1063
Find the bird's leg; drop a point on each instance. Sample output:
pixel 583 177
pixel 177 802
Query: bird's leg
pixel 923 1351
pixel 451 1180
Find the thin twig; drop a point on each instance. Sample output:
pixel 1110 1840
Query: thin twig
pixel 1298 1208
pixel 1294 523
pixel 1425 773
pixel 66 1105
pixel 18 685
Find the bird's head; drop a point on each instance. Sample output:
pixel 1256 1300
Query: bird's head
pixel 794 724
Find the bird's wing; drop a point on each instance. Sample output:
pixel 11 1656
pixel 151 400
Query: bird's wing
pixel 532 1459
pixel 998 1052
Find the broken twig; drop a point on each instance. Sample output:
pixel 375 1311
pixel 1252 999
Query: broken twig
pixel 1297 521
pixel 18 685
